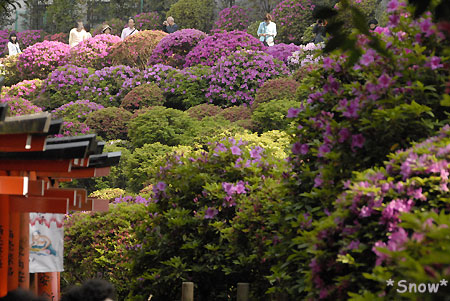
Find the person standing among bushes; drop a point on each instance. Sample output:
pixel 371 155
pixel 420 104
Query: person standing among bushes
pixel 106 29
pixel 13 45
pixel 373 24
pixel 169 25
pixel 130 30
pixel 267 31
pixel 319 30
pixel 77 34
pixel 88 35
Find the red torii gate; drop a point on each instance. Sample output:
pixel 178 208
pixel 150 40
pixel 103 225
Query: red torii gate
pixel 31 166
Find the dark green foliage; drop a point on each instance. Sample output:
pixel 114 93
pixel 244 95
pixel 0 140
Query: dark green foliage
pixel 109 123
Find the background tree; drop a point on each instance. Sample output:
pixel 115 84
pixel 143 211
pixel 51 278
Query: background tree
pixel 62 14
pixel 159 6
pixel 196 14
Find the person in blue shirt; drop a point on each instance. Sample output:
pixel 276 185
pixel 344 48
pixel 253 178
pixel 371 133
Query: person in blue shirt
pixel 267 31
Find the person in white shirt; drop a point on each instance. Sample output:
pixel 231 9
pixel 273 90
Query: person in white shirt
pixel 267 30
pixel 88 35
pixel 13 45
pixel 77 34
pixel 130 30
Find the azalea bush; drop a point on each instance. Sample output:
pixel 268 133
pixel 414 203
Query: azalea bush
pixel 236 79
pixel 306 55
pixel 196 214
pixel 109 123
pixel 76 111
pixel 173 48
pixel 27 89
pixel 282 51
pixel 365 233
pixel 62 37
pixel 8 69
pixel 233 18
pixel 197 14
pixel 292 18
pixel 211 49
pixel 42 58
pixel 19 106
pixel 26 38
pixel 236 113
pixel 97 245
pixel 278 88
pixel 141 96
pixel 148 21
pixel 136 49
pixel 93 52
pixel 204 110
pixel 271 115
pixel 73 128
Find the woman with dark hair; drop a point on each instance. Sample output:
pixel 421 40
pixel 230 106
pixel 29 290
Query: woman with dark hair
pixel 267 31
pixel 87 28
pixel 77 34
pixel 106 29
pixel 13 45
pixel 130 30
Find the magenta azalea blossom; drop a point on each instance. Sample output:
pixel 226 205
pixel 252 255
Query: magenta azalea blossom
pixel 161 186
pixel 293 112
pixel 235 150
pixel 210 213
pixel 358 141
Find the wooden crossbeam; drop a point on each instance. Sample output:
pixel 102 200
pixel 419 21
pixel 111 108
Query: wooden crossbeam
pixel 77 173
pixel 13 185
pixel 37 188
pixel 22 143
pixel 39 204
pixel 36 165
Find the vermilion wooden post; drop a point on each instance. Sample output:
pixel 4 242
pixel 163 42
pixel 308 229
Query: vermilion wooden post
pixel 24 251
pixel 48 285
pixel 4 243
pixel 13 254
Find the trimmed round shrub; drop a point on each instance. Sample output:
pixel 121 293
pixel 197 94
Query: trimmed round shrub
pixel 278 88
pixel 136 49
pixel 116 24
pixel 73 128
pixel 109 123
pixel 30 37
pixel 236 113
pixel 282 51
pixel 93 52
pixel 211 49
pixel 292 18
pixel 62 37
pixel 271 115
pixel 371 227
pixel 204 110
pixel 144 95
pixel 19 106
pixel 148 21
pixel 63 85
pixel 39 60
pixel 233 18
pixel 173 48
pixel 164 125
pixel 76 111
pixel 235 79
pixel 108 194
pixel 193 13
pixel 27 89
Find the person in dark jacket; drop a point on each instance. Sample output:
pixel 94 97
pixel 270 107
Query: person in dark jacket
pixel 319 31
pixel 169 25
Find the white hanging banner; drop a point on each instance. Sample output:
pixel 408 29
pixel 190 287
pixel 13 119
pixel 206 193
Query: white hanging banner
pixel 46 242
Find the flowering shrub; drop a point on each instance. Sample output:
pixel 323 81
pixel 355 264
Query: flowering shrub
pixel 365 232
pixel 144 95
pixel 196 214
pixel 173 48
pixel 211 49
pixel 27 89
pixel 136 49
pixel 19 106
pixel 109 123
pixel 292 18
pixel 97 245
pixel 233 18
pixel 236 79
pixel 282 51
pixel 204 110
pixel 93 52
pixel 197 14
pixel 271 115
pixel 76 111
pixel 26 38
pixel 73 128
pixel 8 69
pixel 367 7
pixel 278 88
pixel 63 85
pixel 236 113
pixel 306 55
pixel 62 37
pixel 39 60
pixel 148 21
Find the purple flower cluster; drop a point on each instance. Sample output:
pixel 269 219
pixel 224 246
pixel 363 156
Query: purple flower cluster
pixel 282 51
pixel 236 79
pixel 77 110
pixel 211 49
pixel 93 52
pixel 132 200
pixel 148 21
pixel 26 38
pixel 233 18
pixel 19 106
pixel 42 58
pixel 27 89
pixel 173 48
pixel 73 128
